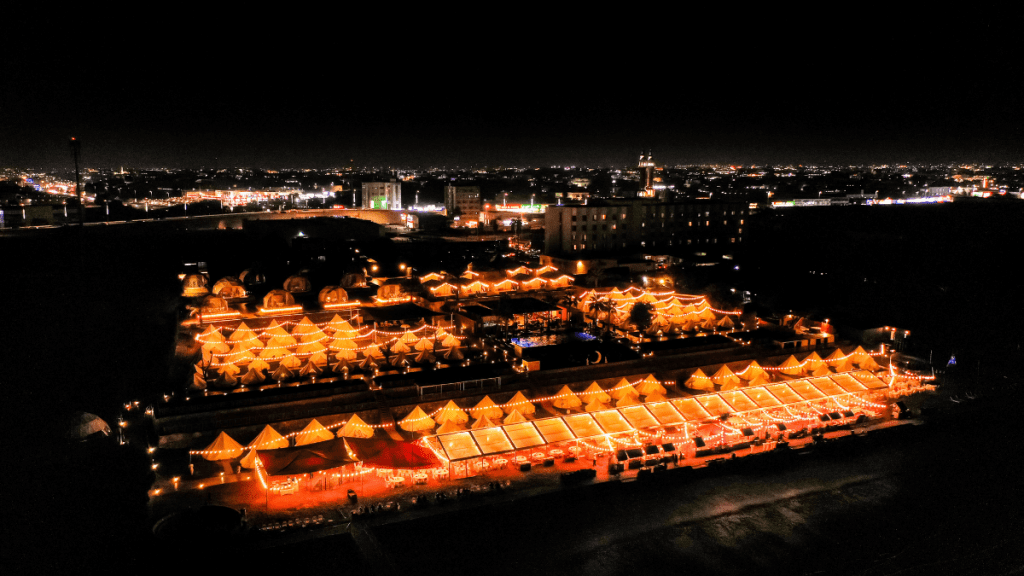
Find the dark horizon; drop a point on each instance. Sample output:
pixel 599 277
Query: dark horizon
pixel 839 93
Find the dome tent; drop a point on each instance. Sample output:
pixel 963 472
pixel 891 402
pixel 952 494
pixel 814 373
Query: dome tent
pixel 83 425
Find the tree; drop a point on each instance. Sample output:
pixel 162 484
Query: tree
pixel 641 316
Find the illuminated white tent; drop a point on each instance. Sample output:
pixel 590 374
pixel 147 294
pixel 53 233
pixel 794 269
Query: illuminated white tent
pixel 355 428
pixel 223 448
pixel 699 381
pixel 565 399
pixel 417 421
pixel 519 403
pixel 452 412
pixel 486 407
pixel 595 392
pixel 313 432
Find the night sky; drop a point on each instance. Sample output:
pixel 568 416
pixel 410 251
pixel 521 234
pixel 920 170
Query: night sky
pixel 699 89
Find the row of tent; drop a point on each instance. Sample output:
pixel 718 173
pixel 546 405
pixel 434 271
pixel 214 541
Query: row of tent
pixel 487 413
pixel 756 375
pixel 245 346
pixel 224 447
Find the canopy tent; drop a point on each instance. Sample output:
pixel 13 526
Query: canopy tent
pixel 269 439
pixel 706 314
pixel 425 357
pixel 424 344
pixel 311 337
pixel 733 385
pixel 655 397
pixel 311 368
pixel 324 455
pixel 565 399
pixel 595 405
pixel 790 366
pixel 342 344
pixel 305 326
pixel 699 381
pixel 373 351
pixel 227 380
pixel 355 428
pixel 725 322
pixel 313 432
pixel 450 341
pixel 726 377
pixel 245 337
pixel 650 385
pixel 228 368
pixel 514 417
pixel 760 380
pixel 417 421
pixel 622 388
pixel 813 362
pixel 627 400
pixel 368 363
pixel 486 407
pixel 452 412
pixel 408 337
pixel 594 392
pixel 519 403
pixel 282 373
pixel 449 426
pixel 277 347
pixel 291 361
pixel 240 355
pixel 274 330
pixel 346 354
pixel 483 422
pixel 868 363
pixel 859 354
pixel 386 452
pixel 224 447
pixel 821 370
pixel 340 328
pixel 752 371
pixel 839 361
pixel 249 460
pixel 400 346
pixel 318 358
pixel 253 377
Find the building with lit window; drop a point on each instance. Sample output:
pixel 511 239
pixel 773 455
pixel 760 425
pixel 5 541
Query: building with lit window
pixel 639 225
pixel 382 195
pixel 646 168
pixel 465 199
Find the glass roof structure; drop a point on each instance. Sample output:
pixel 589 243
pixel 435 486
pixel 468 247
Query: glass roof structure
pixel 701 409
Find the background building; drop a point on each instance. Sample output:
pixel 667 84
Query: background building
pixel 646 168
pixel 382 195
pixel 465 199
pixel 642 225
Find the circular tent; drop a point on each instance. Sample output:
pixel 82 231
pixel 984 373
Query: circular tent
pixel 332 295
pixel 251 277
pixel 194 285
pixel 278 299
pixel 297 284
pixel 83 425
pixel 229 287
